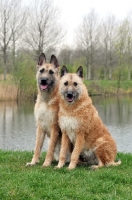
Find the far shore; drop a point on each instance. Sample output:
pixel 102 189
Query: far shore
pixel 12 92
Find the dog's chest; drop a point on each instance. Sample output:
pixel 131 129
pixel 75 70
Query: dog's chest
pixel 70 126
pixel 44 116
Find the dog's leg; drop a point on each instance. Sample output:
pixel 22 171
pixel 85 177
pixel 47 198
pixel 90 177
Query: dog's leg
pixel 40 135
pixel 64 147
pixel 77 150
pixel 52 145
pixel 105 154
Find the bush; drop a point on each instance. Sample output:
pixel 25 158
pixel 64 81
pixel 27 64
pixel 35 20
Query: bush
pixel 24 76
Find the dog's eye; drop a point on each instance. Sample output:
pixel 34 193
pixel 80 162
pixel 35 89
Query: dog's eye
pixel 75 84
pixel 51 72
pixel 41 70
pixel 66 83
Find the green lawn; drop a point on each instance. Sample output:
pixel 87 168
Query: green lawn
pixel 108 87
pixel 37 183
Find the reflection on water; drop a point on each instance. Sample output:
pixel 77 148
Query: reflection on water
pixel 17 124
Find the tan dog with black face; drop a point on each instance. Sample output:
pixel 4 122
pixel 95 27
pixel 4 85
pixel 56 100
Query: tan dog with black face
pixel 80 123
pixel 46 109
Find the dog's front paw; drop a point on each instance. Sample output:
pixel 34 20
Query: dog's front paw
pixel 58 166
pixel 46 164
pixel 71 166
pixel 30 164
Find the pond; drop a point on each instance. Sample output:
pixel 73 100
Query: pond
pixel 17 124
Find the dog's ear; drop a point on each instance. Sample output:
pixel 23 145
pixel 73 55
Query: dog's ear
pixel 42 59
pixel 54 61
pixel 64 70
pixel 80 72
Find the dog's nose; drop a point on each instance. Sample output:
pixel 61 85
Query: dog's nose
pixel 44 80
pixel 69 94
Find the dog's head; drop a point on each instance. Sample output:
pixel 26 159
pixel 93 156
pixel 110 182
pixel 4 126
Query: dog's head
pixel 71 85
pixel 47 73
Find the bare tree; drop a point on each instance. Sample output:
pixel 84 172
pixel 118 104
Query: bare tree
pixel 6 11
pixel 87 37
pixel 18 22
pixel 9 26
pixel 43 28
pixel 65 55
pixel 108 38
pixel 129 45
pixel 121 46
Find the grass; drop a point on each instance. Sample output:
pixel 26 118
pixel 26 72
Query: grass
pixel 108 87
pixel 18 182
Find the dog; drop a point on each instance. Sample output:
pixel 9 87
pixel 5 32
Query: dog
pixel 46 110
pixel 80 124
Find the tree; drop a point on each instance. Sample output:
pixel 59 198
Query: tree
pixel 121 46
pixel 18 23
pixel 88 37
pixel 43 28
pixel 65 55
pixel 6 11
pixel 108 38
pixel 129 45
pixel 9 26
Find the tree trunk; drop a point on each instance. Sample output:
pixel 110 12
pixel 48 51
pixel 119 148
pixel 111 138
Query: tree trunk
pixel 5 66
pixel 105 69
pixel 5 71
pixel 110 72
pixel 129 73
pixel 14 51
pixel 89 71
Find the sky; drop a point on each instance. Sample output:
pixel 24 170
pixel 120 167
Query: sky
pixel 73 11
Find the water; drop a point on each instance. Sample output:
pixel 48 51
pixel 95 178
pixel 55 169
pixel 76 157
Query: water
pixel 116 114
pixel 18 128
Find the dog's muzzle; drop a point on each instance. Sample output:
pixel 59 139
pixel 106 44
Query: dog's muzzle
pixel 43 82
pixel 70 96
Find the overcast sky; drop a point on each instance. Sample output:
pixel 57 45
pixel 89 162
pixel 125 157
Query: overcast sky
pixel 72 11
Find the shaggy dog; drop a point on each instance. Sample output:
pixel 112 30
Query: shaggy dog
pixel 80 124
